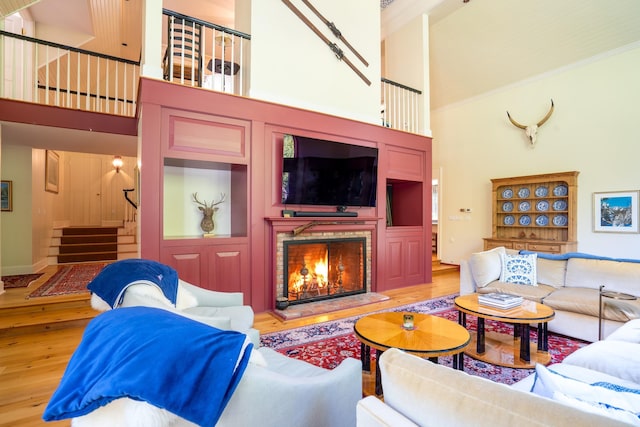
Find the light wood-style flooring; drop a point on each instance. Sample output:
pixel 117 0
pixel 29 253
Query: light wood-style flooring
pixel 35 348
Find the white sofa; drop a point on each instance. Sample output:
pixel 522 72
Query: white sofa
pixel 421 393
pixel 568 283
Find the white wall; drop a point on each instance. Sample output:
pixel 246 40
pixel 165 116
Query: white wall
pixel 593 130
pixel 291 65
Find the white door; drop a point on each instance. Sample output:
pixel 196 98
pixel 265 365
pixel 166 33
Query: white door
pixel 85 191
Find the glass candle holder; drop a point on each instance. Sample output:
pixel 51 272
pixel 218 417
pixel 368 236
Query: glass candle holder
pixel 407 321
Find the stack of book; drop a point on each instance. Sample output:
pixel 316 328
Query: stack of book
pixel 499 300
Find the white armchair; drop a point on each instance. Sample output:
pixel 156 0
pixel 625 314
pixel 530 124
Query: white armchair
pixel 274 391
pixel 222 310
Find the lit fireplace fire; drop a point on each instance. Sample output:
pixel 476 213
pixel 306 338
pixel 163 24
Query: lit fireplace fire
pixel 326 269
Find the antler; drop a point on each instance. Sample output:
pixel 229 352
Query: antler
pixel 545 118
pixel 195 199
pixel 540 123
pixel 222 197
pixel 515 123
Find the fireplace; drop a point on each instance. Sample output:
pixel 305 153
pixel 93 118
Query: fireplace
pixel 318 269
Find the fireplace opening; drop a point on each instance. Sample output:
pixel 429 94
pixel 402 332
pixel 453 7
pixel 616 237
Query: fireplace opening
pixel 321 269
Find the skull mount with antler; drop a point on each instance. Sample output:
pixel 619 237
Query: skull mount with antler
pixel 207 224
pixel 532 130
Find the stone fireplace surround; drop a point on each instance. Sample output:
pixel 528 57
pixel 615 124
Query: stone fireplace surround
pixel 323 228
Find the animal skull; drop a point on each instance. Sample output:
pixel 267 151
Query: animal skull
pixel 532 130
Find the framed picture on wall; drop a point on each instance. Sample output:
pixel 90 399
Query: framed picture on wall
pixel 6 198
pixel 52 172
pixel 616 212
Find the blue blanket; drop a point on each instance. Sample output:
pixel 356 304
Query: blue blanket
pixel 111 283
pixel 156 356
pixel 569 255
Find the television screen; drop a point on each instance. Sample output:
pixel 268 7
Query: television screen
pixel 319 172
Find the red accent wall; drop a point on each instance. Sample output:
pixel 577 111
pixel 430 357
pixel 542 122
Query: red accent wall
pixel 193 124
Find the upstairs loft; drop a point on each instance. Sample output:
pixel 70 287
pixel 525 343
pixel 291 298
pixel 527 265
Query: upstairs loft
pixel 195 53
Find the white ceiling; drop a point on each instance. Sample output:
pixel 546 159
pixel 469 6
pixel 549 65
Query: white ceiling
pixel 475 47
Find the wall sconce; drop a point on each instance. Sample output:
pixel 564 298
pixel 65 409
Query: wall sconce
pixel 117 163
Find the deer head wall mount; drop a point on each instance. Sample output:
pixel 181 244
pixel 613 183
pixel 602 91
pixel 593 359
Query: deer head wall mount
pixel 208 210
pixel 532 130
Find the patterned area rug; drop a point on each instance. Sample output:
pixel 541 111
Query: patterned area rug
pixel 69 279
pixel 327 344
pixel 19 280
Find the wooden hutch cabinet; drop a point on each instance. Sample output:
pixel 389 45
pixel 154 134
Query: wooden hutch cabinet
pixel 536 213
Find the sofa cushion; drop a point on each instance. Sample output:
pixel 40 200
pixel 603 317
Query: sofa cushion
pixel 617 358
pixel 551 272
pixel 614 275
pixel 533 293
pixel 434 395
pixel 486 266
pixel 601 397
pixel 629 332
pixel 587 301
pixel 519 269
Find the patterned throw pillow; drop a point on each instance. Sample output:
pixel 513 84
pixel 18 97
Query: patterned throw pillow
pixel 519 269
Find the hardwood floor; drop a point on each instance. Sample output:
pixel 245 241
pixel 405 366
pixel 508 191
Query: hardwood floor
pixel 34 355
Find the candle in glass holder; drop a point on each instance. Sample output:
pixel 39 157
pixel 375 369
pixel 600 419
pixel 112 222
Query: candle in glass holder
pixel 407 322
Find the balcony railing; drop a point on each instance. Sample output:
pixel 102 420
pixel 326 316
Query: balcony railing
pixel 203 54
pixel 196 53
pixel 400 106
pixel 50 73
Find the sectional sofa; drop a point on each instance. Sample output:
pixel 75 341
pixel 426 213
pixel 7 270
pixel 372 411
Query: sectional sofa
pixel 568 283
pixel 598 385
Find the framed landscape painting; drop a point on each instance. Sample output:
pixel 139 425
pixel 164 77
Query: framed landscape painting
pixel 616 212
pixel 6 199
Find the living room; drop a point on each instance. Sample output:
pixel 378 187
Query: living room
pixel 474 141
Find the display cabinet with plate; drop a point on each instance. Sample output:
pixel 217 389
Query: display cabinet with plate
pixel 536 213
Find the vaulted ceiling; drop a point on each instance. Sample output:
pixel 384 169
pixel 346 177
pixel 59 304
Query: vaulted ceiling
pixel 475 47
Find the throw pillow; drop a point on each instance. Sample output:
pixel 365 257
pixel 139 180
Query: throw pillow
pixel 608 399
pixel 519 269
pixel 486 266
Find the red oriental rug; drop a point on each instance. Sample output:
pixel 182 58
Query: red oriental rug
pixel 327 344
pixel 19 280
pixel 69 279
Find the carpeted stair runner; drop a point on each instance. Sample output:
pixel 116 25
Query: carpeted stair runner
pixel 82 244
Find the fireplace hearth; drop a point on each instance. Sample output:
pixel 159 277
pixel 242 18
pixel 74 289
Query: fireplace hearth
pixel 320 269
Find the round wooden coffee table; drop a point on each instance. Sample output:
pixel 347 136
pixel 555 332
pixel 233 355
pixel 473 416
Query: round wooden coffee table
pixel 431 337
pixel 502 349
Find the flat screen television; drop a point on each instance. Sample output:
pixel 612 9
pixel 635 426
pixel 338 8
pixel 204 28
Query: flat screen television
pixel 327 173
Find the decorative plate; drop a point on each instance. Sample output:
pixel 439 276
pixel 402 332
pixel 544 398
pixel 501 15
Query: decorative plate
pixel 525 220
pixel 542 220
pixel 509 220
pixel 524 206
pixel 560 205
pixel 542 191
pixel 560 190
pixel 507 194
pixel 560 220
pixel 507 206
pixel 542 205
pixel 523 192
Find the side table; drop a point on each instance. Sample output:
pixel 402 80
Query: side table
pixel 613 297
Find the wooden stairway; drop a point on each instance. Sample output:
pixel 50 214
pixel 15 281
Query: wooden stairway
pixel 82 244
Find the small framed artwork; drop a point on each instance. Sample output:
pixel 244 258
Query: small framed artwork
pixel 52 172
pixel 616 212
pixel 6 199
